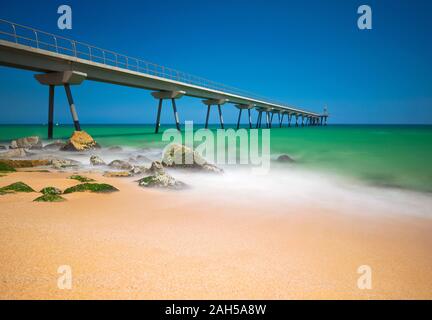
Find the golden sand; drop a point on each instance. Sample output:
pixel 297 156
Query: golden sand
pixel 152 244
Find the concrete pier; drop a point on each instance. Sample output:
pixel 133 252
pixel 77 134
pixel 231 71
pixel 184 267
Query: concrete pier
pixel 167 95
pixel 66 79
pixel 218 103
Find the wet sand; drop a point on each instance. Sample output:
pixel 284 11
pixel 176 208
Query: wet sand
pixel 153 244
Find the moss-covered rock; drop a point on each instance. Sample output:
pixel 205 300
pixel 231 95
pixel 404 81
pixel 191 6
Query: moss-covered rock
pixel 16 187
pixel 92 187
pixel 6 167
pixel 51 190
pixel 163 180
pixel 50 198
pixel 81 178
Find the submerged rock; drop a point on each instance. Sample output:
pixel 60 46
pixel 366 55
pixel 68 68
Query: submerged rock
pixel 56 145
pixel 14 153
pixel 180 156
pixel 3 147
pixel 97 161
pixel 285 158
pixel 33 142
pixel 121 165
pixel 115 148
pixel 164 181
pixel 80 141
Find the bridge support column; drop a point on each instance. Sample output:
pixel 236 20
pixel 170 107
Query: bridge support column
pixel 241 107
pixel 268 123
pixel 51 112
pixel 72 107
pixel 289 119
pixel 296 117
pixel 218 103
pixel 281 120
pixel 66 79
pixel 167 95
pixel 258 124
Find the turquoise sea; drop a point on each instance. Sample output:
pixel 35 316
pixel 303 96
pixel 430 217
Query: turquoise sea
pixel 388 156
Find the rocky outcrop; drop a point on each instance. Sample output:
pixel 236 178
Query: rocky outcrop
pixel 3 147
pixel 56 145
pixel 285 158
pixel 97 161
pixel 14 153
pixel 33 142
pixel 156 168
pixel 80 141
pixel 115 149
pixel 117 174
pixel 27 163
pixel 164 181
pixel 63 163
pixel 51 190
pixel 180 156
pixel 120 165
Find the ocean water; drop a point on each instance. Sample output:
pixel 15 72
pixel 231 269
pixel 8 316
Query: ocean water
pixel 394 157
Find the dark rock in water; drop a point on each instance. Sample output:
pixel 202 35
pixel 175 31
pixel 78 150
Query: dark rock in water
pixel 121 165
pixel 142 158
pixel 97 161
pixel 180 156
pixel 51 190
pixel 164 181
pixel 80 141
pixel 56 145
pixel 115 148
pixel 3 147
pixel 285 158
pixel 33 142
pixel 14 153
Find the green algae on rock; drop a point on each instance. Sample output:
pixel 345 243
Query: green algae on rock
pixel 50 198
pixel 51 191
pixel 81 178
pixel 6 167
pixel 92 187
pixel 16 187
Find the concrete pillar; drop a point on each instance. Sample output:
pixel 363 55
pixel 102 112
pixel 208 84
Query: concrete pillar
pixel 281 120
pixel 296 117
pixel 207 117
pixel 176 117
pixel 250 119
pixel 268 120
pixel 51 112
pixel 72 107
pixel 258 124
pixel 239 117
pixel 158 116
pixel 220 117
pixel 289 119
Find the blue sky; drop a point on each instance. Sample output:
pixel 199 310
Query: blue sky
pixel 307 53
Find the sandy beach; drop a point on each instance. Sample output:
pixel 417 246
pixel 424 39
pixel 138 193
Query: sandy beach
pixel 152 244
